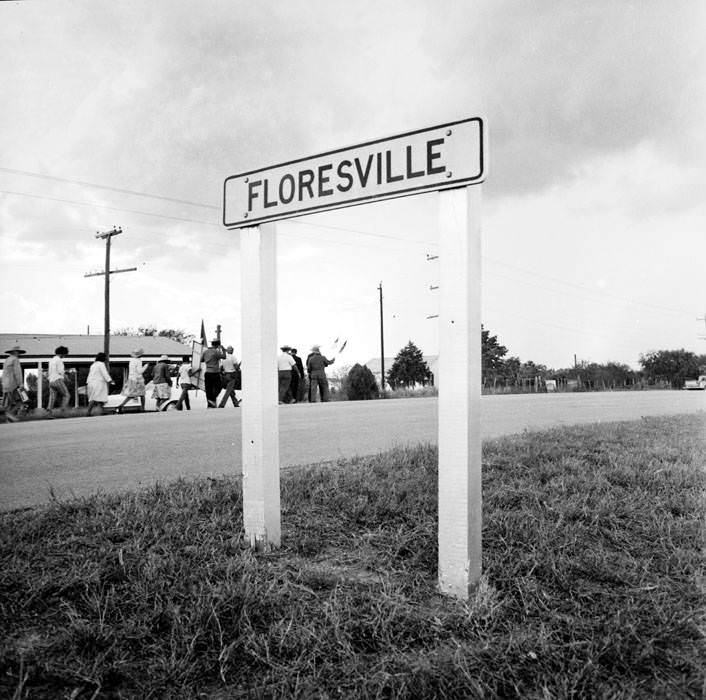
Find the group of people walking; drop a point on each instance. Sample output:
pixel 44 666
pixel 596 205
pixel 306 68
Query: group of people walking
pixel 221 373
pixel 292 381
pixel 15 396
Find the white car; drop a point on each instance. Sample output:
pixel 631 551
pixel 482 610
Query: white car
pixel 117 403
pixel 699 383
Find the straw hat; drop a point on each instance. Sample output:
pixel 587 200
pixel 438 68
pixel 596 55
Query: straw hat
pixel 16 349
pixel 137 352
pixel 163 358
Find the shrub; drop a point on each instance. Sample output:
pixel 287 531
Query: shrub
pixel 360 384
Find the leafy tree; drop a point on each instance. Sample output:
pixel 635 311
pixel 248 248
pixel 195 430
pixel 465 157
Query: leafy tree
pixel 673 366
pixel 492 357
pixel 360 384
pixel 409 368
pixel 608 375
pixel 511 370
pixel 178 334
pixel 531 369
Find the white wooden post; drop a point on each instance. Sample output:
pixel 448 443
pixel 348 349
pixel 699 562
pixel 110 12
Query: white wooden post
pixel 260 416
pixel 40 384
pixel 460 517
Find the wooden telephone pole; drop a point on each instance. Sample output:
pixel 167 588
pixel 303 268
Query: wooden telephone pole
pixel 107 273
pixel 382 345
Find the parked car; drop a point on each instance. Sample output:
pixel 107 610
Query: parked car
pixel 699 383
pixel 117 403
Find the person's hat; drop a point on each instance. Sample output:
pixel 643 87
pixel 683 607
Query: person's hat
pixel 285 348
pixel 294 350
pixel 163 358
pixel 16 349
pixel 61 350
pixel 315 348
pixel 137 352
pixel 229 348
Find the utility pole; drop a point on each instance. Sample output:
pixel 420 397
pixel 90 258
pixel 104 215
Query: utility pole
pixel 382 345
pixel 218 332
pixel 107 273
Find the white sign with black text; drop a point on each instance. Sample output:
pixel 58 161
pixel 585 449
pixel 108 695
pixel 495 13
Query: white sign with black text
pixel 435 158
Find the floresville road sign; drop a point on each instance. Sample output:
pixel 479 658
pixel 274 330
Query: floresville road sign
pixel 435 158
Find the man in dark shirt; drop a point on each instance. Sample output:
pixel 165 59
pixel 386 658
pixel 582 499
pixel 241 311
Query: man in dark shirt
pixel 316 365
pixel 297 386
pixel 212 377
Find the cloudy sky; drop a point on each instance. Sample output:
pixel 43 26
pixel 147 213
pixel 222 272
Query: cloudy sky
pixel 132 114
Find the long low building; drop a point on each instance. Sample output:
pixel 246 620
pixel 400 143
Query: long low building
pixel 39 349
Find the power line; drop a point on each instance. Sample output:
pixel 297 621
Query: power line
pixel 175 200
pixel 83 183
pixel 364 233
pixel 105 206
pixel 580 331
pixel 582 286
pixel 406 241
pixel 577 295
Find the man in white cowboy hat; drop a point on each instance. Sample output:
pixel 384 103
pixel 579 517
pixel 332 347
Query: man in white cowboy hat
pixel 162 381
pixel 316 365
pixel 12 381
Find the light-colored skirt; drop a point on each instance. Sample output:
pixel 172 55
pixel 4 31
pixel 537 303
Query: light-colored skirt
pixel 134 387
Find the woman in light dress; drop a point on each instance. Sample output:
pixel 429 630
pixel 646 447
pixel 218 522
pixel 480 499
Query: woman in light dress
pixel 135 385
pixel 97 383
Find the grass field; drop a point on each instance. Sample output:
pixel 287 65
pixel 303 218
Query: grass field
pixel 592 586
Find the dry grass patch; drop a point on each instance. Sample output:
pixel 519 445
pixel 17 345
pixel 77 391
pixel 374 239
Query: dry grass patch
pixel 593 543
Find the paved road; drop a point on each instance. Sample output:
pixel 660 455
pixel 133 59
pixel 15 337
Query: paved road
pixel 80 456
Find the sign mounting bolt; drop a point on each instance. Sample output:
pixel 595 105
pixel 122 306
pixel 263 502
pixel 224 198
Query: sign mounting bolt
pixel 449 132
pixel 245 216
pixel 247 179
pixel 449 174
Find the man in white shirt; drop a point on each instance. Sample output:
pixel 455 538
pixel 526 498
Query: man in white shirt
pixel 231 374
pixel 285 364
pixel 57 381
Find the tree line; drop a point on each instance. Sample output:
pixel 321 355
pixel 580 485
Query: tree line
pixel 409 369
pixel 658 367
pixel 500 371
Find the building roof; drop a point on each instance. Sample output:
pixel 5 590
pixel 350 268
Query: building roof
pixel 41 346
